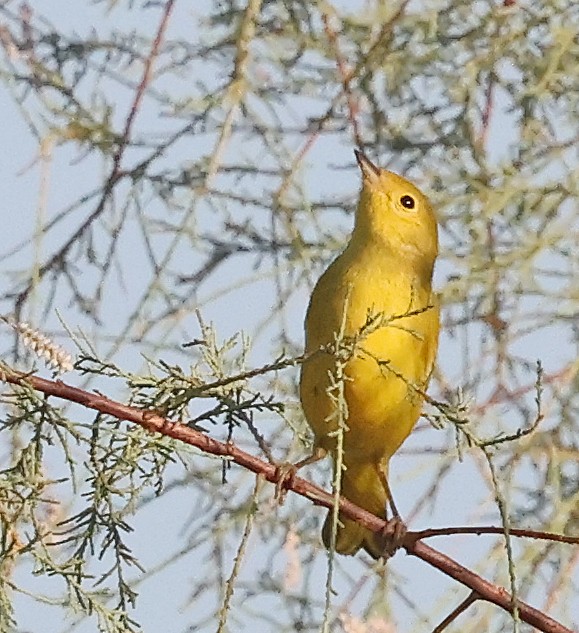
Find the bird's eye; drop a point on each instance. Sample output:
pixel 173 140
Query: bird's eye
pixel 407 202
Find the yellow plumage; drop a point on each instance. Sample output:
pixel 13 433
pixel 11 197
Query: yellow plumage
pixel 378 290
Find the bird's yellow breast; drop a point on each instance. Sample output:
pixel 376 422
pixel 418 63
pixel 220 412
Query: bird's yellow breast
pixel 379 300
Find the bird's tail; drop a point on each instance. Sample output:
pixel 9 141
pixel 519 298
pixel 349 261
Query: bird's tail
pixel 362 485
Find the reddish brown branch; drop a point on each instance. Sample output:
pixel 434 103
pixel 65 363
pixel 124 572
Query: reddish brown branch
pixel 345 77
pixel 143 84
pixel 487 112
pixel 462 607
pixel 487 529
pixel 564 375
pixel 158 424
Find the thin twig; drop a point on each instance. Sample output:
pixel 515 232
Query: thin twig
pixel 345 78
pixel 237 88
pixel 462 607
pixel 230 584
pixel 490 529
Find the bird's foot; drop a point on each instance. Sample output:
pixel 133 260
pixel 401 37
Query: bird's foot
pixel 285 473
pixel 392 536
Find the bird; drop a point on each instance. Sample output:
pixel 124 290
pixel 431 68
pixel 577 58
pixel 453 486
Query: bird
pixel 371 333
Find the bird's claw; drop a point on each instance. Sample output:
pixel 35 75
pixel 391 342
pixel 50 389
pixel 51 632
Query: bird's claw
pixel 285 472
pixel 392 536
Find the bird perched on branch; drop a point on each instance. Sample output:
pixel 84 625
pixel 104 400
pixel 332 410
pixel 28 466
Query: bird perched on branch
pixel 371 340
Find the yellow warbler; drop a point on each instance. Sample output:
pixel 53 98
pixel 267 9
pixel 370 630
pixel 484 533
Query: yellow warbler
pixel 373 311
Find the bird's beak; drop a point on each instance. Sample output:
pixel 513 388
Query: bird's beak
pixel 370 172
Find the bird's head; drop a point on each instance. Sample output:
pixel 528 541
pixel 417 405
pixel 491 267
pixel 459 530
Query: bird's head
pixel 395 212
